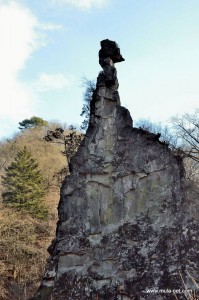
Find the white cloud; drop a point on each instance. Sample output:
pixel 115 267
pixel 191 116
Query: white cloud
pixel 20 35
pixel 49 82
pixel 18 40
pixel 82 4
pixel 51 26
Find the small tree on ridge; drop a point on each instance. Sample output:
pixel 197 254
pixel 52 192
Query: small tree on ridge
pixel 32 123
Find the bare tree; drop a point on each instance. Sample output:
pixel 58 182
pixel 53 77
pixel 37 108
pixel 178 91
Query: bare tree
pixel 89 86
pixel 186 128
pixel 158 128
pixel 182 137
pixel 70 141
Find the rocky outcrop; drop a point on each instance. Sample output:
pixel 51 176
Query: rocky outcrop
pixel 126 224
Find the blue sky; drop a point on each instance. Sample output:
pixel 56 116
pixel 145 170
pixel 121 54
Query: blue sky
pixel 49 45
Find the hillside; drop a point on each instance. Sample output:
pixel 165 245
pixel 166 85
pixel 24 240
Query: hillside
pixel 24 239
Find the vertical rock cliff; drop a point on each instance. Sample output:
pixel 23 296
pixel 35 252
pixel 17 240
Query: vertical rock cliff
pixel 126 223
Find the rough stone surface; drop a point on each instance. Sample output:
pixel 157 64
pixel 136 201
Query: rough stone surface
pixel 126 222
pixel 109 49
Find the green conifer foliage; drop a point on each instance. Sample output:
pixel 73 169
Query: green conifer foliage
pixel 24 185
pixel 32 123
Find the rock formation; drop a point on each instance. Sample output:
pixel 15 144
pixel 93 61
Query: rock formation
pixel 126 223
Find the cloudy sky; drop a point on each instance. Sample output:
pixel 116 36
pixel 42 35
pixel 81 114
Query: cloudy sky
pixel 48 46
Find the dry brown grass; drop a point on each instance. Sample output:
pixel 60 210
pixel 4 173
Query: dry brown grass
pixel 23 244
pixel 23 239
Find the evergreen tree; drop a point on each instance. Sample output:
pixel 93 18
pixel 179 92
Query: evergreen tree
pixel 32 123
pixel 24 184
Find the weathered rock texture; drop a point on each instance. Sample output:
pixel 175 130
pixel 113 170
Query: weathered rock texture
pixel 125 222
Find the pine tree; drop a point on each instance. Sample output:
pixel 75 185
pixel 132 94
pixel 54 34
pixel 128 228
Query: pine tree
pixel 32 123
pixel 24 185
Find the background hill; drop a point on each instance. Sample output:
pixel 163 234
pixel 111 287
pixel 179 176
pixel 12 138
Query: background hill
pixel 24 239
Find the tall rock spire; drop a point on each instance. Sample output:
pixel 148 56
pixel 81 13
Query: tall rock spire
pixel 106 94
pixel 123 213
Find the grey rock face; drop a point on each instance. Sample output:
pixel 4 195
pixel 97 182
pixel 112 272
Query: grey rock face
pixel 109 49
pixel 126 224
